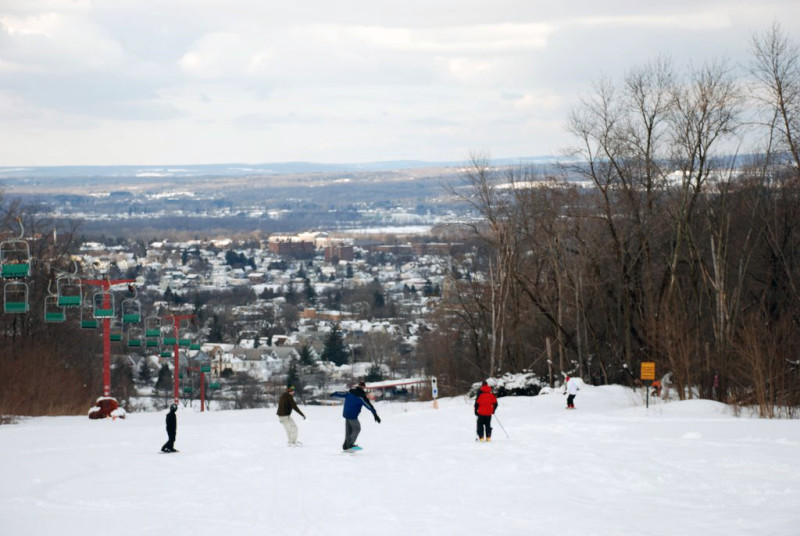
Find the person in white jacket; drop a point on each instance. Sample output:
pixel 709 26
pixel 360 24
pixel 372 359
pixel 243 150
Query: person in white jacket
pixel 572 392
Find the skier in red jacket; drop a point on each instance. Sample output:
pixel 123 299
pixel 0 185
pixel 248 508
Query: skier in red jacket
pixel 485 406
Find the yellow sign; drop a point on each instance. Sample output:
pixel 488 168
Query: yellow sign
pixel 648 371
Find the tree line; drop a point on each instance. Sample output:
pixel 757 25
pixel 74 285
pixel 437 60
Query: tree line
pixel 671 236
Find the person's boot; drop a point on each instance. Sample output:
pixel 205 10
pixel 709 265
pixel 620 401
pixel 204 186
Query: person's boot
pixel 488 439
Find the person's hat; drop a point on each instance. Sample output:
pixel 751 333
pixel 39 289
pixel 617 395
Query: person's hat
pixel 290 387
pixel 173 407
pixel 566 379
pixel 484 383
pixel 362 384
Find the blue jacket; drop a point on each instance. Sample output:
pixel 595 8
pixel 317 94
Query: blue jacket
pixel 354 400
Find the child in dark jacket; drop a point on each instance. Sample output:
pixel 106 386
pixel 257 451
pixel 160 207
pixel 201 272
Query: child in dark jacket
pixel 485 406
pixel 172 429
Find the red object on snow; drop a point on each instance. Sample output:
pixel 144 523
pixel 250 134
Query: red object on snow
pixel 105 407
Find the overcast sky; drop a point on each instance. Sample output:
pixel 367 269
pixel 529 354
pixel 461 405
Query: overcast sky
pixel 253 81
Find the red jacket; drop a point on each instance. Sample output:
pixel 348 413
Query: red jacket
pixel 486 402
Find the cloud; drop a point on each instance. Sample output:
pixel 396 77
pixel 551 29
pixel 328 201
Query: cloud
pixel 357 79
pixel 224 54
pixel 693 20
pixel 56 42
pixel 541 101
pixel 478 39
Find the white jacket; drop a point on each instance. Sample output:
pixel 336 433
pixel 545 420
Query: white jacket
pixel 572 386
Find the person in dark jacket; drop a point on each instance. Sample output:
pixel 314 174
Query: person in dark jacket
pixel 172 429
pixel 286 404
pixel 354 400
pixel 485 406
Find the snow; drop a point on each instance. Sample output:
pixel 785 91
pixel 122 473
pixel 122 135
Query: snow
pixel 611 467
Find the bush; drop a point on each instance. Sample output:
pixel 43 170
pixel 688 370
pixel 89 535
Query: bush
pixel 519 384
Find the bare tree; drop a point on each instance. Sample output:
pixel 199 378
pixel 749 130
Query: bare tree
pixel 776 67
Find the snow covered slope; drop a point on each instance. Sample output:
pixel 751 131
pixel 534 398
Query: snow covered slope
pixel 611 467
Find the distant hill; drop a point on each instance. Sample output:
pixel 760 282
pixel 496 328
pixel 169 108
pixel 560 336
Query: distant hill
pixel 236 169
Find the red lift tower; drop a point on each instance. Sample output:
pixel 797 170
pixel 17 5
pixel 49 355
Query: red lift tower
pixel 104 310
pixel 176 321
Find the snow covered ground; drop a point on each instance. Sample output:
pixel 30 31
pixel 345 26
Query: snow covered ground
pixel 611 467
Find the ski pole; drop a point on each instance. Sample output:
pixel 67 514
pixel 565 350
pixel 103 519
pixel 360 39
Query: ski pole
pixel 501 426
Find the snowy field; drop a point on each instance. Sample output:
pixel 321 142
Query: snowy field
pixel 611 467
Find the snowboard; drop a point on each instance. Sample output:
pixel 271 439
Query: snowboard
pixel 353 449
pixel 168 451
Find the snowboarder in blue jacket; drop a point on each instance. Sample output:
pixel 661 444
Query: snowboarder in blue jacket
pixel 354 400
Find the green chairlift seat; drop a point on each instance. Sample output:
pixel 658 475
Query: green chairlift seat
pixel 69 291
pixel 131 311
pixel 152 327
pixel 53 313
pixel 135 338
pixel 103 305
pixel 15 260
pixel 16 271
pixel 15 297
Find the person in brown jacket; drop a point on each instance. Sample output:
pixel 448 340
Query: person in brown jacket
pixel 286 404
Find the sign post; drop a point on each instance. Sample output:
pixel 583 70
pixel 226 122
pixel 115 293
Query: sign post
pixel 434 392
pixel 648 374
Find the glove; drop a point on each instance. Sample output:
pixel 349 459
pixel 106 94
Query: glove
pixel 304 417
pixel 377 419
pixel 476 413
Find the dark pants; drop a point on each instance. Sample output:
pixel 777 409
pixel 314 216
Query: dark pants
pixel 570 401
pixel 484 426
pixel 351 430
pixel 169 446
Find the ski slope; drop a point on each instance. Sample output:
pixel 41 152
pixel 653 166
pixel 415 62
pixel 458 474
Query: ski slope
pixel 611 467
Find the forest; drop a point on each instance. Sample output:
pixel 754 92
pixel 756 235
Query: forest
pixel 678 244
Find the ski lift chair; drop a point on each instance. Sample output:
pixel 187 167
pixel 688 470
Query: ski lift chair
pixel 53 313
pixel 131 311
pixel 15 256
pixel 68 290
pixel 15 297
pixel 103 305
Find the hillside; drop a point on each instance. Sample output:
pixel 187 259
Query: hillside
pixel 611 467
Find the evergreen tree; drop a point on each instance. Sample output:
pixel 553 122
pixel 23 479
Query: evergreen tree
pixel 308 290
pixel 164 383
pixel 378 299
pixel 122 382
pixel 375 374
pixel 334 349
pixel 293 376
pixel 290 295
pixel 306 358
pixel 427 290
pixel 215 331
pixel 145 374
